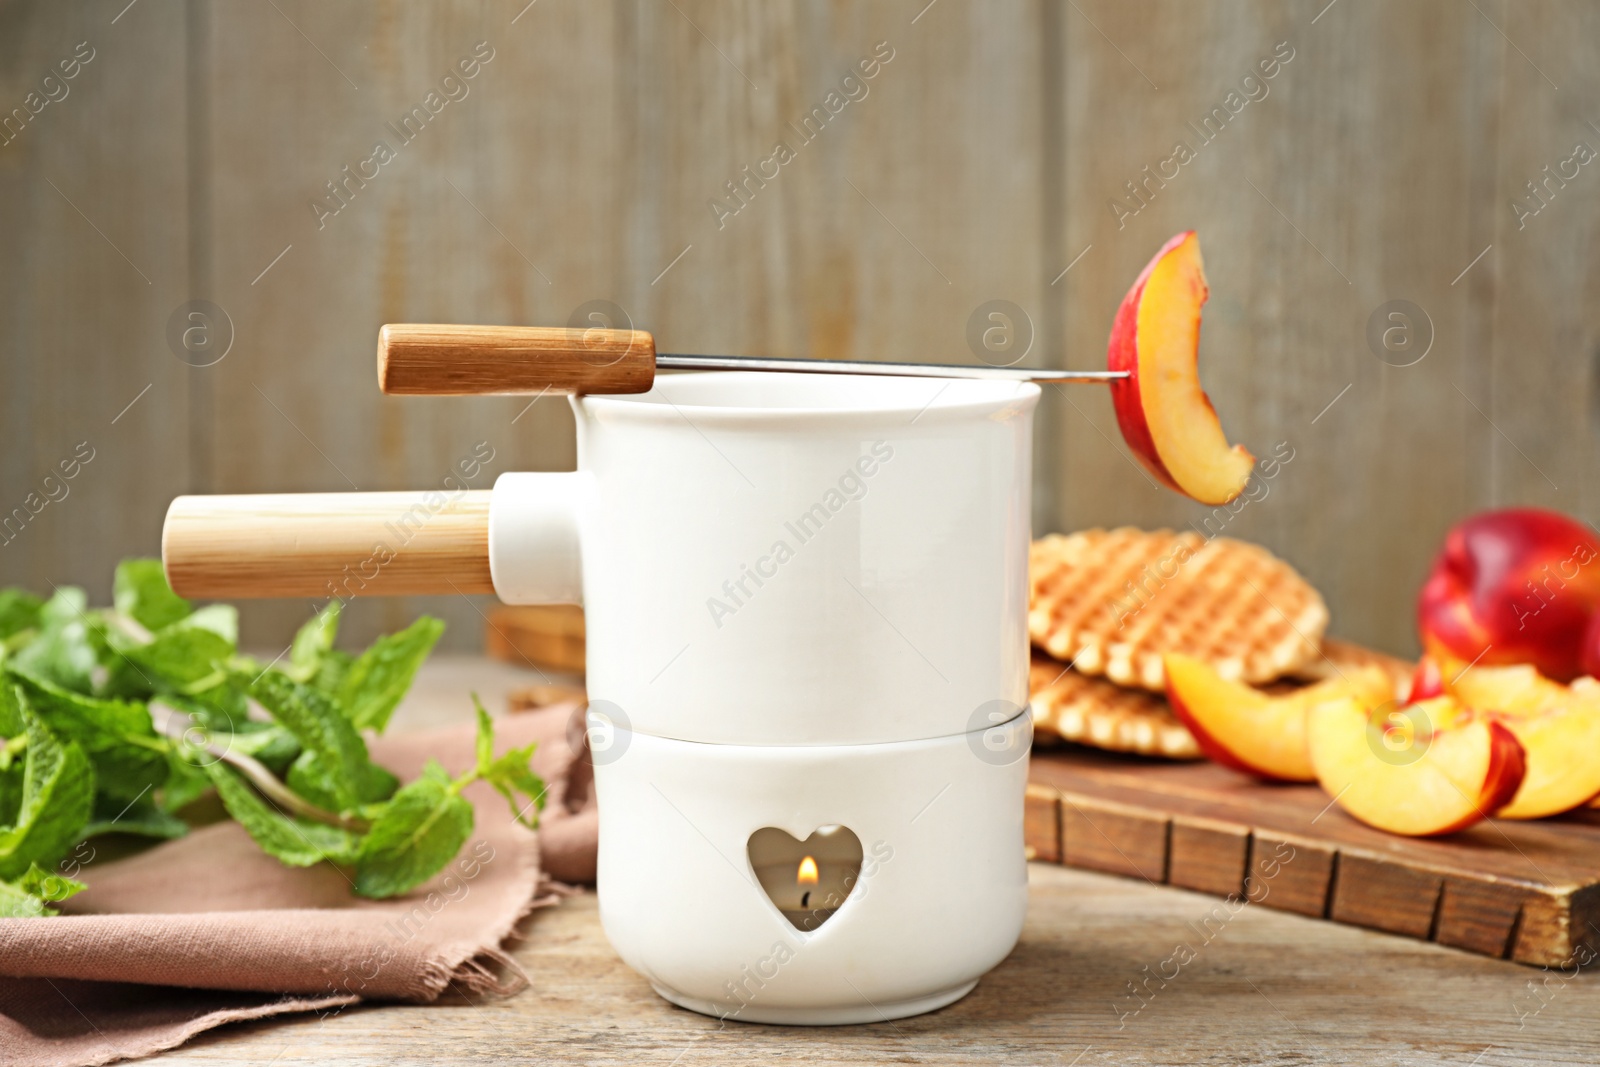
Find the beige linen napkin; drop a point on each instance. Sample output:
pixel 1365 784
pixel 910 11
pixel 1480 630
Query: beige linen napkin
pixel 208 929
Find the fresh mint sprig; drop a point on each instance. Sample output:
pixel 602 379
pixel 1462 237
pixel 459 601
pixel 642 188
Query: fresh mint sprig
pixel 116 720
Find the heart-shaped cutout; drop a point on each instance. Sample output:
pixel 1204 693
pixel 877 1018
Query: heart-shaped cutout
pixel 806 880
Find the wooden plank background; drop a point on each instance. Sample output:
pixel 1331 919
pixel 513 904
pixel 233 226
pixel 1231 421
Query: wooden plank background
pixel 982 162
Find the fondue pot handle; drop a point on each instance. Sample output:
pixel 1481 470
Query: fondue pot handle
pixel 452 360
pixel 519 541
pixel 328 544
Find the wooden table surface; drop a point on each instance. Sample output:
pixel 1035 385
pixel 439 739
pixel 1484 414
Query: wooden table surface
pixel 1215 987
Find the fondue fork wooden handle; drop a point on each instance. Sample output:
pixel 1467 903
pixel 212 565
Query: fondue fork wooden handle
pixel 328 544
pixel 447 360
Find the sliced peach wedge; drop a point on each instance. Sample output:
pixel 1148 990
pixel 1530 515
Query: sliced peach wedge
pixel 1427 680
pixel 1427 768
pixel 1165 416
pixel 1558 725
pixel 1252 731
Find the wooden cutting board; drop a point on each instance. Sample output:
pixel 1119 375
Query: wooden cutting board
pixel 549 637
pixel 1523 891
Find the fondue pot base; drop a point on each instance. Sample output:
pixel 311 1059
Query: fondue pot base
pixel 908 855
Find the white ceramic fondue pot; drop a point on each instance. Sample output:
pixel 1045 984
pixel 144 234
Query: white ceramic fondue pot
pixel 787 559
pixel 805 602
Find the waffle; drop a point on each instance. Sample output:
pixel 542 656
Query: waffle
pixel 1092 711
pixel 1112 602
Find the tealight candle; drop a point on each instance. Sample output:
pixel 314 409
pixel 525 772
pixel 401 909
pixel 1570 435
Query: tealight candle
pixel 810 890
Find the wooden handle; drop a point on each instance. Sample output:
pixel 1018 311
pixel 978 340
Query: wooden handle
pixel 328 544
pixel 433 360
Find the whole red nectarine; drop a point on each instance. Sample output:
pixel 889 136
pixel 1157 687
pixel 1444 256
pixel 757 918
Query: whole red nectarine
pixel 1518 585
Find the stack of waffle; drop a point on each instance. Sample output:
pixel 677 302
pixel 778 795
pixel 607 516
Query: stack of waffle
pixel 1106 605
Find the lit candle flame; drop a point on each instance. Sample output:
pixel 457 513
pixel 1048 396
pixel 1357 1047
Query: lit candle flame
pixel 807 874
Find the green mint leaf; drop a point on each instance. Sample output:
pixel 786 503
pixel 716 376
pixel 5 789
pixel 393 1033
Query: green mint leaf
pixel 293 842
pixel 313 641
pixel 123 680
pixel 11 786
pixel 152 822
pixel 485 736
pixel 63 651
pixel 68 604
pixel 185 783
pixel 511 774
pixel 15 753
pixel 331 671
pixel 186 656
pixel 379 785
pixel 223 702
pixel 47 885
pixel 417 833
pixel 267 742
pixel 13 750
pixel 220 619
pixel 57 797
pixel 140 590
pixel 31 894
pixel 204 722
pixel 219 702
pixel 309 780
pixel 12 722
pixel 380 676
pixel 180 655
pixel 19 611
pixel 17 903
pixel 141 818
pixel 117 735
pixel 321 726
